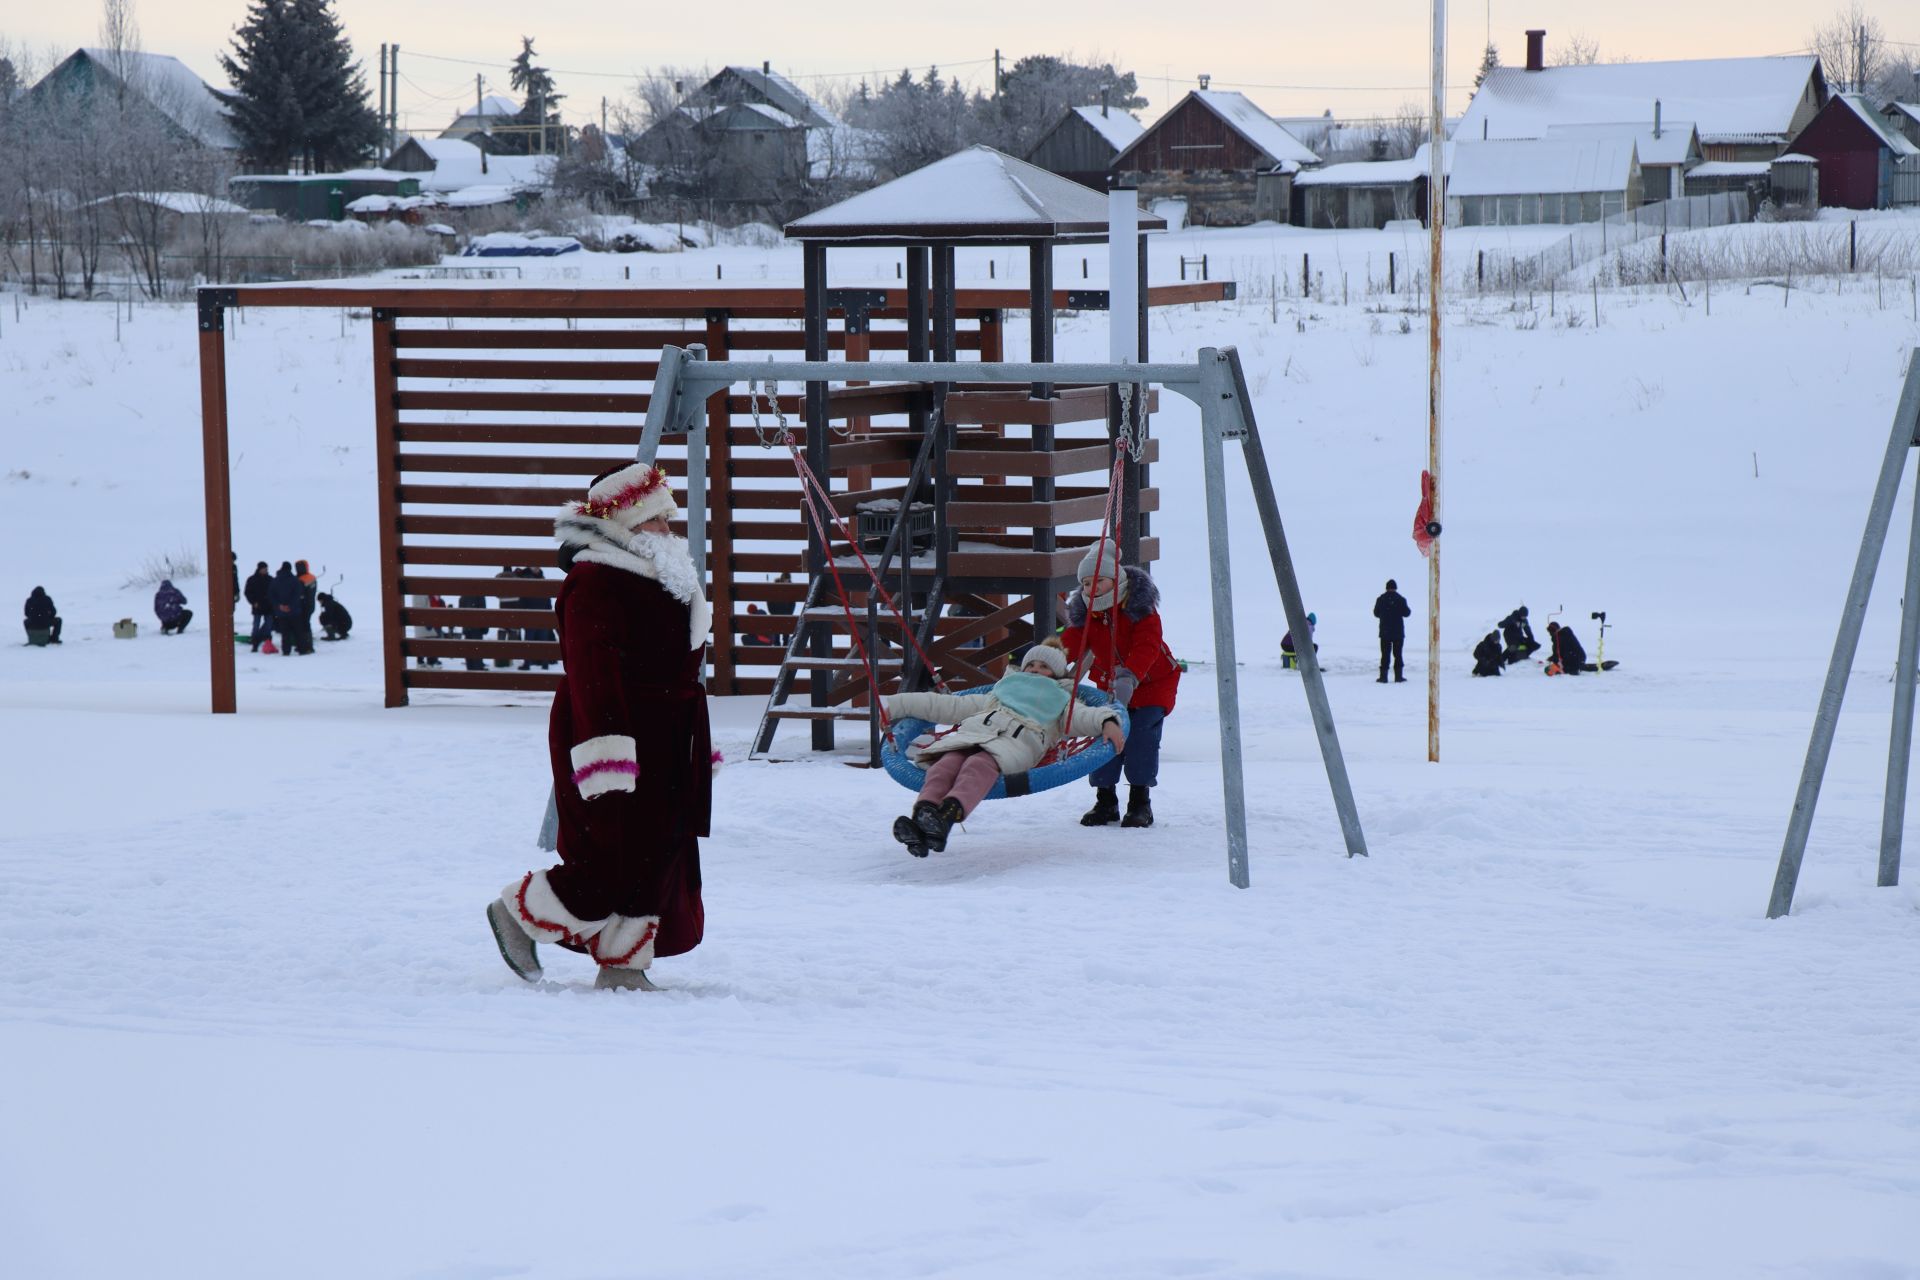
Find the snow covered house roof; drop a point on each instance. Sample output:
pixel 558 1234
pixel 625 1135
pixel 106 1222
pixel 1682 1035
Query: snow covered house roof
pixel 974 195
pixel 1731 169
pixel 1378 173
pixel 775 89
pixel 182 202
pixel 1727 99
pixel 1541 166
pixel 458 164
pixel 1894 142
pixel 1677 142
pixel 165 83
pixel 1911 110
pixel 1261 130
pixel 1116 126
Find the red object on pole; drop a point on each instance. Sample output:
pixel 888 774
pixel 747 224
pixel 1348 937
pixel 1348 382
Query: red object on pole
pixel 1423 523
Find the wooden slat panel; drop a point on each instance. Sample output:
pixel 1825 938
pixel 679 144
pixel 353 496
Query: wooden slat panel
pixel 766 500
pixel 1019 462
pixel 454 587
pixel 764 531
pixel 547 557
pixel 454 616
pixel 507 464
pixel 486 495
pixel 483 526
pixel 1024 515
pixel 626 438
pixel 528 681
pixel 669 303
pixel 765 561
pixel 522 401
pixel 530 370
pixel 487 650
pixel 545 339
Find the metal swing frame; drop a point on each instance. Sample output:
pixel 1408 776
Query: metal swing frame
pixel 1214 382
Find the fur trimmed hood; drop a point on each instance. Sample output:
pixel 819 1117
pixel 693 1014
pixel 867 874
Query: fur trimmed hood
pixel 657 557
pixel 1143 597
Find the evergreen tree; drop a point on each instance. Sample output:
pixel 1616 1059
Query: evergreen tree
pixel 537 126
pixel 1488 61
pixel 299 99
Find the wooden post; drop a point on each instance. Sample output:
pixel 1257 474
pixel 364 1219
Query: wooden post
pixel 387 468
pixel 213 444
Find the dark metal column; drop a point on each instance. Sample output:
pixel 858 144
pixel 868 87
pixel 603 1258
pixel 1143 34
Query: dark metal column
pixel 819 643
pixel 1040 351
pixel 945 322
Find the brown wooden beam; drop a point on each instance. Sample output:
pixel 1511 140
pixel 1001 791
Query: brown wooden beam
pixel 386 452
pixel 213 448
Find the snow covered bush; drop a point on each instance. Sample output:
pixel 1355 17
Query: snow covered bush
pixel 154 569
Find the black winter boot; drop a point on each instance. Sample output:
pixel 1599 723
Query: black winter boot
pixel 936 823
pixel 1106 808
pixel 908 830
pixel 1139 808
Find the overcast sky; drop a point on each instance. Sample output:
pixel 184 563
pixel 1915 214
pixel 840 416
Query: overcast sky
pixel 1359 57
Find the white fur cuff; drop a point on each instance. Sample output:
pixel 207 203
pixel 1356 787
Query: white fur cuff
pixel 603 764
pixel 536 909
pixel 626 942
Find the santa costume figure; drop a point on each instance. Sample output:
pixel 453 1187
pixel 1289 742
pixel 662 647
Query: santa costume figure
pixel 632 763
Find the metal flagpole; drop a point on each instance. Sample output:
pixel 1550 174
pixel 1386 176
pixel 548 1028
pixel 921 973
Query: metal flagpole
pixel 1436 218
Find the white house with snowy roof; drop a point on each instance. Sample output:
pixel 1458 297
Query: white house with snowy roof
pixel 1231 162
pixel 1555 180
pixel 464 174
pixel 1742 109
pixel 482 117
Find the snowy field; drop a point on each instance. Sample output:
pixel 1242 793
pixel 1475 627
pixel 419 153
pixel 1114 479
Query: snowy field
pixel 253 1022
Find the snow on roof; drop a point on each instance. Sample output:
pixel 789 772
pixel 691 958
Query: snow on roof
pixel 1911 110
pixel 177 202
pixel 1378 173
pixel 1676 143
pixel 173 89
pixel 1794 157
pixel 1730 169
pixel 494 104
pixel 389 204
pixel 476 196
pixel 1894 142
pixel 1540 166
pixel 1117 127
pixel 1721 96
pixel 345 175
pixel 1255 125
pixel 979 189
pixel 458 164
pixel 785 95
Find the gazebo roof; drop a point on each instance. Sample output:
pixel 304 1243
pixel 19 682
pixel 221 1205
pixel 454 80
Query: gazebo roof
pixel 978 195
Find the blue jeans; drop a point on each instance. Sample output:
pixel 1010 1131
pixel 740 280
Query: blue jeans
pixel 1141 757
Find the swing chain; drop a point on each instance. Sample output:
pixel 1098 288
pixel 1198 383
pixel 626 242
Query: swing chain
pixel 1131 436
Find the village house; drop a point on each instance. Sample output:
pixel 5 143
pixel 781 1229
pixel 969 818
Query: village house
pixel 1742 109
pixel 1084 144
pixel 1366 194
pixel 186 106
pixel 1903 114
pixel 1859 156
pixel 1520 181
pixel 482 117
pixel 462 173
pixel 1229 161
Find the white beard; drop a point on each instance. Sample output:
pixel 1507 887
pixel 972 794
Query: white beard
pixel 672 561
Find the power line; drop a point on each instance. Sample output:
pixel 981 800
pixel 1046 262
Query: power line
pixel 636 75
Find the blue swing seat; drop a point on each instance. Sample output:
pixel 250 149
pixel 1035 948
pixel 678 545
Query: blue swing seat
pixel 893 752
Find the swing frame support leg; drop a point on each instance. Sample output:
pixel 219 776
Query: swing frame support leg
pixel 1226 661
pixel 1255 456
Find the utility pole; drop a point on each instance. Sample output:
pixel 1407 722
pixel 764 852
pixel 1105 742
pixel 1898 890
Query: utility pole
pixel 393 97
pixel 383 92
pixel 1436 212
pixel 996 75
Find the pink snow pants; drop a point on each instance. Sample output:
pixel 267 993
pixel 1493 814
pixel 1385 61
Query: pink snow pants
pixel 966 776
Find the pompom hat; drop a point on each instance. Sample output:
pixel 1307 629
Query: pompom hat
pixel 629 497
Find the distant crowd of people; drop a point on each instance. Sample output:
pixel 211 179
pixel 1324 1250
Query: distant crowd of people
pixel 1511 641
pixel 283 605
pixel 541 603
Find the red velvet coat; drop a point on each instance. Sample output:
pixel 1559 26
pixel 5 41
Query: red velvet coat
pixel 630 673
pixel 1131 634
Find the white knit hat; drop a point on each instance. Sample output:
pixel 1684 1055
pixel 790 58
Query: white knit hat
pixel 630 496
pixel 1053 656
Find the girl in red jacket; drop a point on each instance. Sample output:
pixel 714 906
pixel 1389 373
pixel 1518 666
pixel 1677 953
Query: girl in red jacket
pixel 1113 633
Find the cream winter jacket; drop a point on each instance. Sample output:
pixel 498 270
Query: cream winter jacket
pixel 1016 744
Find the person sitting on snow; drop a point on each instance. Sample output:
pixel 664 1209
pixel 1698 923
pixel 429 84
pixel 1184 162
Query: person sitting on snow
pixel 1005 732
pixel 1518 633
pixel 170 606
pixel 1569 657
pixel 1487 656
pixel 335 621
pixel 42 615
pixel 1288 658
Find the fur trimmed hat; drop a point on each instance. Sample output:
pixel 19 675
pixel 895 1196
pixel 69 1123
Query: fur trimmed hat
pixel 629 497
pixel 1052 656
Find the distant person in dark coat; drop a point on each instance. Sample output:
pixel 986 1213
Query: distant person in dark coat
pixel 235 570
pixel 1393 611
pixel 1289 656
pixel 1568 655
pixel 335 621
pixel 474 633
pixel 41 615
pixel 170 606
pixel 542 603
pixel 1487 656
pixel 284 598
pixel 1518 633
pixel 309 592
pixel 259 598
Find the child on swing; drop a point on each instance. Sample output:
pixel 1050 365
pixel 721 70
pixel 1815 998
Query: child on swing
pixel 1001 733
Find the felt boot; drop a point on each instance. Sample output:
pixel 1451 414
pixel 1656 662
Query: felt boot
pixel 614 979
pixel 516 948
pixel 1106 808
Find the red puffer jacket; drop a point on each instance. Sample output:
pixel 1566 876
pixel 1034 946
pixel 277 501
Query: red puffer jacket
pixel 1131 634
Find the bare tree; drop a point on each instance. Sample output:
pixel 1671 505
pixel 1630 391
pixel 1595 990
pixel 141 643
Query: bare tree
pixel 1579 50
pixel 1852 46
pixel 120 41
pixel 1407 131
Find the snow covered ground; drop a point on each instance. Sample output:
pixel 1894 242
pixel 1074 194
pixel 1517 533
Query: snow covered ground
pixel 253 1023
